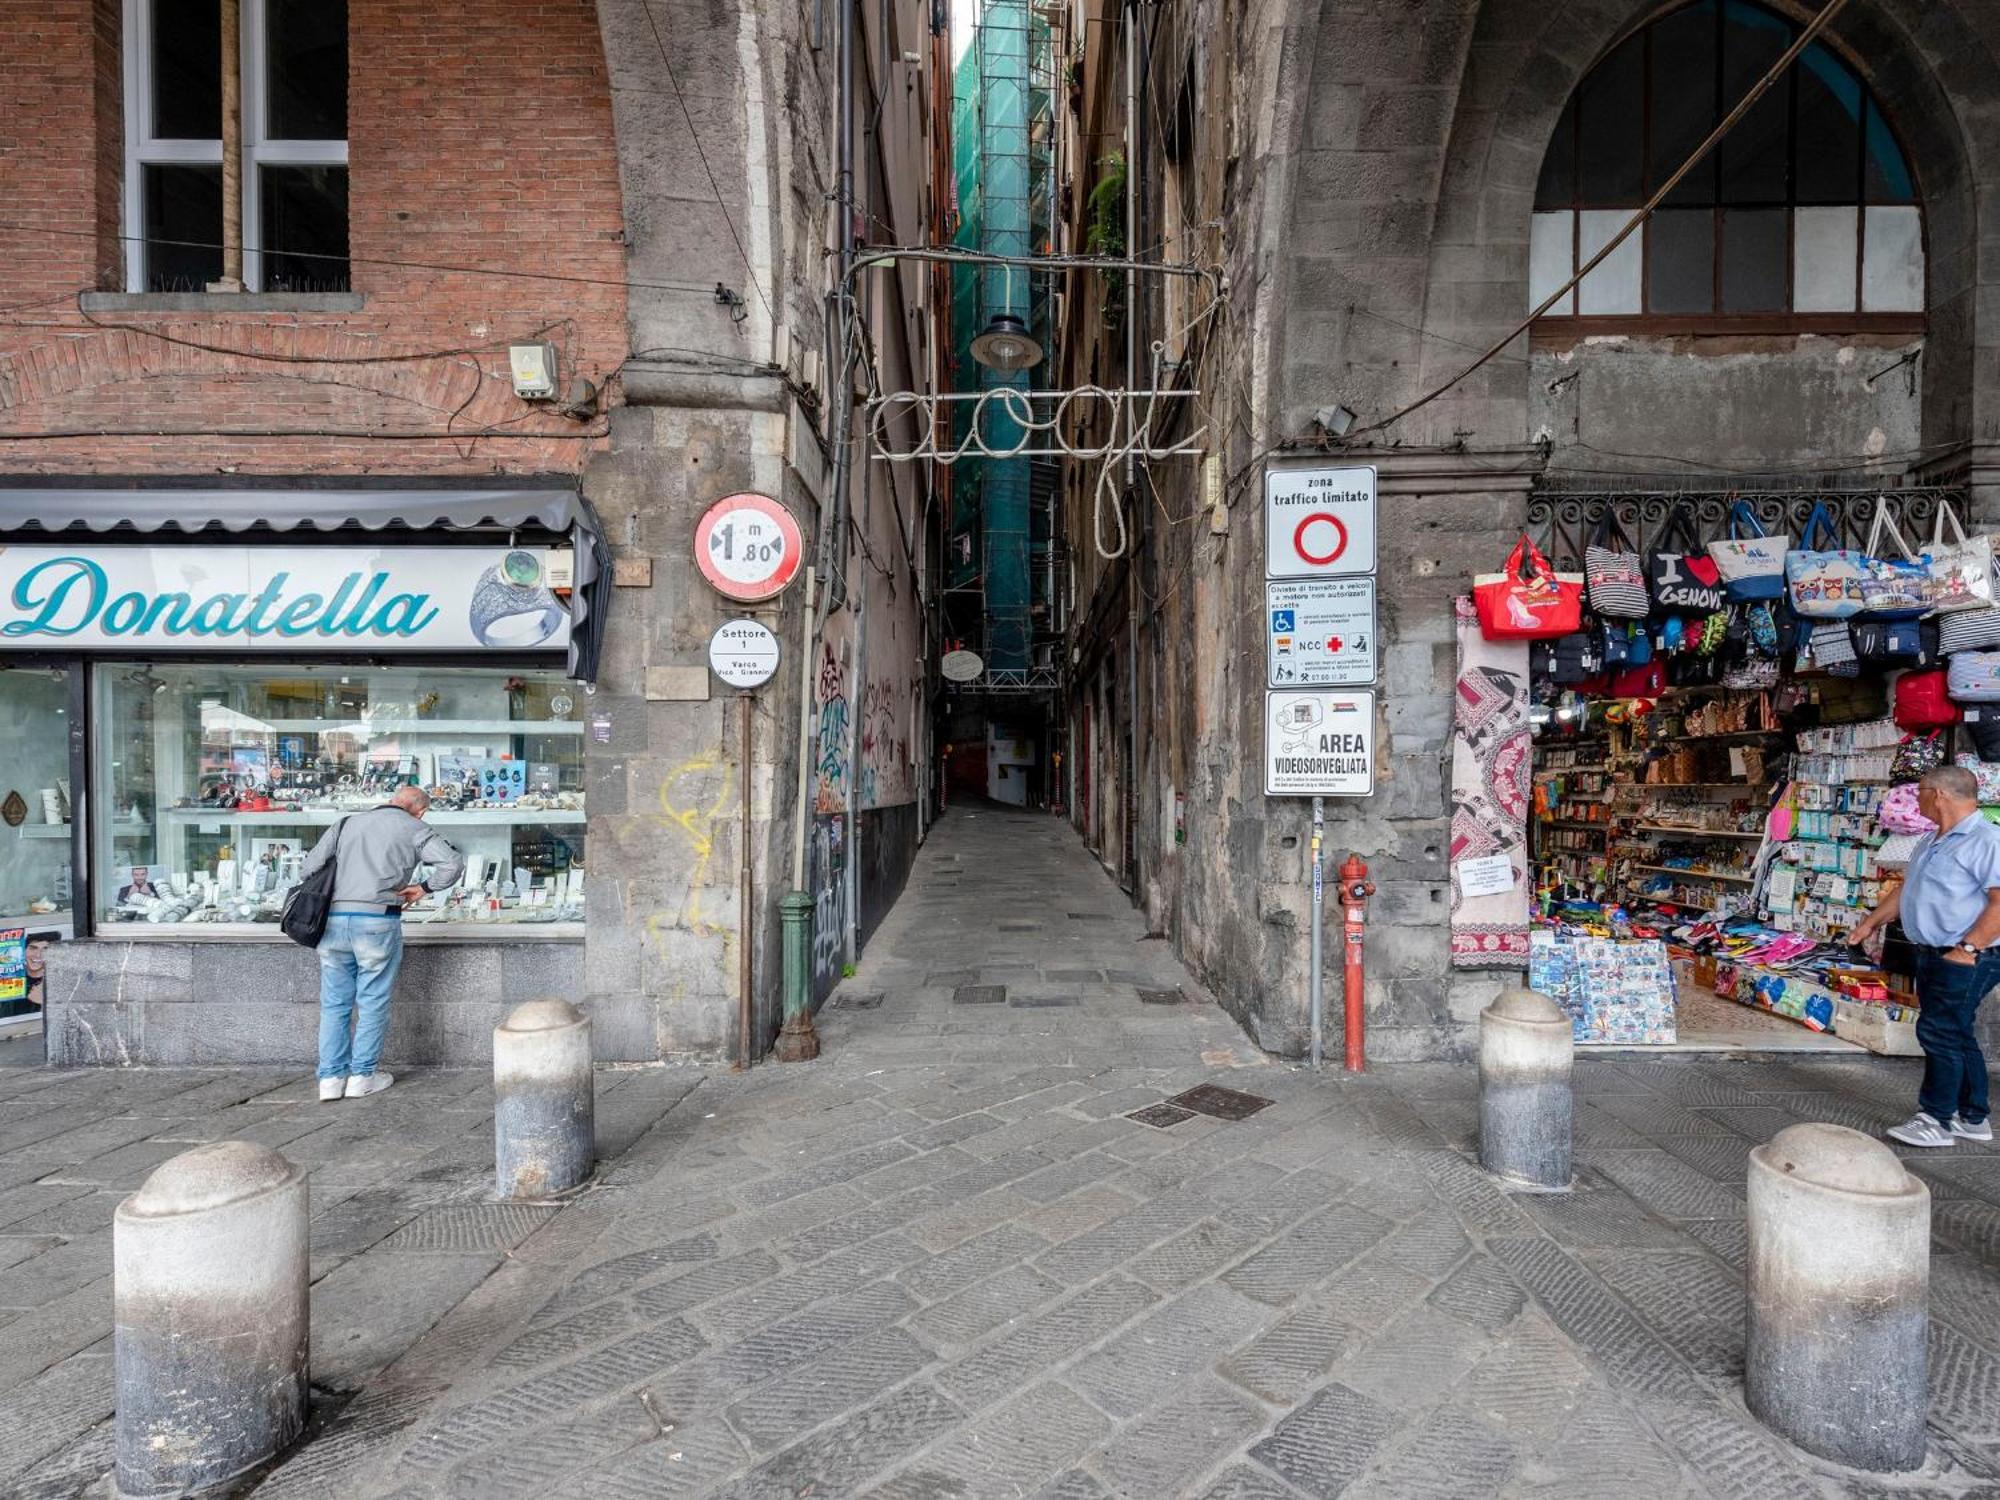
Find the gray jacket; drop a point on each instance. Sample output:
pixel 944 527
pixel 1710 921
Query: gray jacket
pixel 380 850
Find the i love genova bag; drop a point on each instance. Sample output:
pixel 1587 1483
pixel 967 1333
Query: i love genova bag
pixel 1684 578
pixel 1823 578
pixel 1752 564
pixel 1528 600
pixel 1961 566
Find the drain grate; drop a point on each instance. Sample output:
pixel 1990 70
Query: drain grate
pixel 1161 1116
pixel 979 994
pixel 1161 997
pixel 868 1001
pixel 1223 1104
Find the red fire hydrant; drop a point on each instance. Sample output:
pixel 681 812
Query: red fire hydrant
pixel 1355 889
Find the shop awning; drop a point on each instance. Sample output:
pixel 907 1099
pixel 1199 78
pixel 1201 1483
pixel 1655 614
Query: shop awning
pixel 170 508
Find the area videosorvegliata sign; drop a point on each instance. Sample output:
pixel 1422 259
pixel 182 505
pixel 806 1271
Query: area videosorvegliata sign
pixel 204 598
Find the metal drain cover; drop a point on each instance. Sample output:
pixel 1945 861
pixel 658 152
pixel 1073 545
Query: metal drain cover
pixel 979 994
pixel 1223 1104
pixel 1161 1115
pixel 1161 997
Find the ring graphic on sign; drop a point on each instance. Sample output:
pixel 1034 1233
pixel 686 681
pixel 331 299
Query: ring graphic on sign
pixel 1340 538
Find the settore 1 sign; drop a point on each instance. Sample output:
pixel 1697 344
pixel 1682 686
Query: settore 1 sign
pixel 1319 744
pixel 289 599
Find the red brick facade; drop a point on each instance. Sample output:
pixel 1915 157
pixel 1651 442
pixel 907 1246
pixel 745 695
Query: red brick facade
pixel 480 139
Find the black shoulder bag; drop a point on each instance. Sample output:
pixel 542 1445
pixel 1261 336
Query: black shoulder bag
pixel 308 903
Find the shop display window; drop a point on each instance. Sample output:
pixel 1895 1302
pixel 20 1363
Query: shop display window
pixel 214 782
pixel 35 812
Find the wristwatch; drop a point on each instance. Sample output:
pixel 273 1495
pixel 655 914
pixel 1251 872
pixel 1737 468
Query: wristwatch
pixel 1970 948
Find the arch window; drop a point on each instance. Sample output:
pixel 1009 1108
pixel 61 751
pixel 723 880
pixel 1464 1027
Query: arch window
pixel 1806 215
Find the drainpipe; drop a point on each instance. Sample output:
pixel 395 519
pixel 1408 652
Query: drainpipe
pixel 797 1041
pixel 852 894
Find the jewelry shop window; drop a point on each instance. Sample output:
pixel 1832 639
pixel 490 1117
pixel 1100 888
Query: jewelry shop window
pixel 214 781
pixel 1806 216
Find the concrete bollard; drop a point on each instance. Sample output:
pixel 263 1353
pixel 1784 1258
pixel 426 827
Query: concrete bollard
pixel 1525 1049
pixel 1839 1297
pixel 211 1315
pixel 544 1101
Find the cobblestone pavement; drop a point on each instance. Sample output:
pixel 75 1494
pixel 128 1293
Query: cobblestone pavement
pixel 946 1261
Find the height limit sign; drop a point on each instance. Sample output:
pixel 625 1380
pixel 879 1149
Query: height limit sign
pixel 1319 523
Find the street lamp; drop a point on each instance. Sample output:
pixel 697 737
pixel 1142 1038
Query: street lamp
pixel 1006 345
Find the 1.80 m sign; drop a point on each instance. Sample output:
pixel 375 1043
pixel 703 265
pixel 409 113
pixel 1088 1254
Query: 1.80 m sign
pixel 748 547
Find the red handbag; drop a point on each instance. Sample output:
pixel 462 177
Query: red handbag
pixel 1921 702
pixel 1648 681
pixel 1528 600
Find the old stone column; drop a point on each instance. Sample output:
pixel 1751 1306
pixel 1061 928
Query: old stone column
pixel 544 1100
pixel 1526 1045
pixel 1839 1297
pixel 210 1309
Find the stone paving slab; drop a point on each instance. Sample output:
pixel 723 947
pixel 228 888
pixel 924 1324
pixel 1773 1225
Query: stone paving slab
pixel 941 1262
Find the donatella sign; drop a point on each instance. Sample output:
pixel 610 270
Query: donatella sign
pixel 362 600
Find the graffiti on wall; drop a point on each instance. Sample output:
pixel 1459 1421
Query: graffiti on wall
pixel 887 777
pixel 828 863
pixel 831 770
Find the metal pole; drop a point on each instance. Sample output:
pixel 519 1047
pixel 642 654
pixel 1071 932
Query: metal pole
pixel 851 894
pixel 1318 913
pixel 806 634
pixel 745 923
pixel 232 149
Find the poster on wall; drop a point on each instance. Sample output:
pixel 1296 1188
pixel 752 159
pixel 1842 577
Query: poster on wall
pixel 14 964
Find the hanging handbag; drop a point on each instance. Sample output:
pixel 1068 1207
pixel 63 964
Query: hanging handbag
pixel 1917 756
pixel 1882 642
pixel 1613 573
pixel 1829 648
pixel 1753 672
pixel 1986 774
pixel 1983 726
pixel 1823 579
pixel 1648 681
pixel 1614 642
pixel 1922 703
pixel 1692 669
pixel 1684 578
pixel 1760 622
pixel 1900 814
pixel 308 904
pixel 1968 630
pixel 1572 659
pixel 1751 563
pixel 1975 677
pixel 1898 585
pixel 1528 600
pixel 1961 566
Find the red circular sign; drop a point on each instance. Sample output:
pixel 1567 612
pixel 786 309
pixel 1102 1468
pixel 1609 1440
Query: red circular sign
pixel 748 547
pixel 1340 535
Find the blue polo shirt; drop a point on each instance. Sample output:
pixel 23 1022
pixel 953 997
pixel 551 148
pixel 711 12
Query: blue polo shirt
pixel 1950 874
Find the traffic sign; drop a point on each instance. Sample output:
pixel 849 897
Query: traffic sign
pixel 743 653
pixel 1319 523
pixel 1319 744
pixel 748 547
pixel 1321 632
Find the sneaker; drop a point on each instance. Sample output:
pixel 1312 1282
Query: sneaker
pixel 331 1089
pixel 1965 1130
pixel 363 1084
pixel 1919 1130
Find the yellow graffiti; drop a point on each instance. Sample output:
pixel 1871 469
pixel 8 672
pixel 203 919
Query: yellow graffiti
pixel 697 825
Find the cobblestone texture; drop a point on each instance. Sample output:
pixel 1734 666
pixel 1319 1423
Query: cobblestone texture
pixel 940 1262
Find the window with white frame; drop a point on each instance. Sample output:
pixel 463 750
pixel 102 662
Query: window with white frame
pixel 293 68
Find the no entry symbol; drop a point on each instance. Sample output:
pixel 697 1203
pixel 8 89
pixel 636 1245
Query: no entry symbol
pixel 1320 538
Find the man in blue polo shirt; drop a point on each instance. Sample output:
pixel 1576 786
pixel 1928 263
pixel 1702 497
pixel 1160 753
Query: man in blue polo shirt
pixel 1949 904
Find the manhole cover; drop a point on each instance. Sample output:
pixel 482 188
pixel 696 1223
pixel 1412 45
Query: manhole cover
pixel 1161 1115
pixel 861 1002
pixel 979 994
pixel 1223 1104
pixel 1161 997
pixel 1042 1000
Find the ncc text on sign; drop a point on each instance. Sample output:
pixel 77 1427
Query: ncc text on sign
pixel 1319 523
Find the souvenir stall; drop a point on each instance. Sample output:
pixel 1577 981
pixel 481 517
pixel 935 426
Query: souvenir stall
pixel 1730 721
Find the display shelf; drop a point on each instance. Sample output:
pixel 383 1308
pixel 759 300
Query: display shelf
pixel 1598 827
pixel 1710 833
pixel 477 817
pixel 423 726
pixel 1729 875
pixel 62 830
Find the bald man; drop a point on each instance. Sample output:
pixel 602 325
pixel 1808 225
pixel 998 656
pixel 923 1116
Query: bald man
pixel 376 858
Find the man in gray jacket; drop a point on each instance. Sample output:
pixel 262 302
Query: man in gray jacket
pixel 377 853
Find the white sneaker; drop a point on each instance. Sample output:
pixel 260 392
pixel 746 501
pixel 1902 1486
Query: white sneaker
pixel 1919 1130
pixel 363 1084
pixel 1965 1131
pixel 331 1089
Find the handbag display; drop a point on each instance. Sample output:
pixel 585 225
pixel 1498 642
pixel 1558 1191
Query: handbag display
pixel 1528 600
pixel 1917 756
pixel 1823 579
pixel 1751 563
pixel 1882 642
pixel 1899 813
pixel 1897 586
pixel 1961 567
pixel 1922 702
pixel 1648 681
pixel 1968 630
pixel 1983 726
pixel 1986 774
pixel 1613 574
pixel 1614 642
pixel 1568 660
pixel 1829 648
pixel 1975 677
pixel 1684 578
pixel 310 902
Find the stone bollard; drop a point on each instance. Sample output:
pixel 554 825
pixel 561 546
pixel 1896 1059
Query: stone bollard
pixel 1525 1048
pixel 211 1314
pixel 1839 1297
pixel 544 1101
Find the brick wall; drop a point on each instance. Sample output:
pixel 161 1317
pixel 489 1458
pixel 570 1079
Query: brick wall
pixel 480 139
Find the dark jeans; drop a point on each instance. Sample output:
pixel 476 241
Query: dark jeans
pixel 1948 997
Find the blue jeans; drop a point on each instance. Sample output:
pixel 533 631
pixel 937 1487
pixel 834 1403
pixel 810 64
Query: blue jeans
pixel 1948 997
pixel 358 959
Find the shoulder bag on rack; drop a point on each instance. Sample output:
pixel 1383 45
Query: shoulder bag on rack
pixel 1898 585
pixel 1752 564
pixel 1828 647
pixel 1527 600
pixel 1685 579
pixel 1890 642
pixel 1613 573
pixel 1922 703
pixel 1961 566
pixel 1986 774
pixel 1917 756
pixel 1983 726
pixel 1975 677
pixel 1614 642
pixel 308 903
pixel 1968 630
pixel 1822 578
